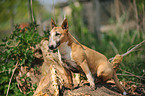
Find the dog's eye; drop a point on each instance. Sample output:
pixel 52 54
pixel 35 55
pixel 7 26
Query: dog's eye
pixel 57 34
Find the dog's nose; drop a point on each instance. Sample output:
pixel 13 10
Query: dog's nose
pixel 51 47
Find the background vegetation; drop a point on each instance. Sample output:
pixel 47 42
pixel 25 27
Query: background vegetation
pixel 18 47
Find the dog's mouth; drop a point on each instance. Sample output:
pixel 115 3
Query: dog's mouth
pixel 53 47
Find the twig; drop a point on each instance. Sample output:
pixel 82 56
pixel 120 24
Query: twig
pixel 131 50
pixel 141 85
pixel 20 88
pixel 114 47
pixel 32 12
pixel 130 74
pixel 125 71
pixel 3 71
pixel 134 48
pixel 33 20
pixel 12 77
pixel 137 20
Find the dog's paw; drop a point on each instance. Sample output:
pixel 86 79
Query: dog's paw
pixel 92 85
pixel 124 93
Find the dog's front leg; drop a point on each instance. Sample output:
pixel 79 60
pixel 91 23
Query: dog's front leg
pixel 88 73
pixel 67 74
pixel 69 78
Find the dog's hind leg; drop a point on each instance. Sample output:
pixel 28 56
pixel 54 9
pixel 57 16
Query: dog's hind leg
pixel 104 72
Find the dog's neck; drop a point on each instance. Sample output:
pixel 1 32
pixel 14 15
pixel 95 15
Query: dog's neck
pixel 65 47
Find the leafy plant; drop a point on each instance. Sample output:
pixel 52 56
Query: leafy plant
pixel 19 47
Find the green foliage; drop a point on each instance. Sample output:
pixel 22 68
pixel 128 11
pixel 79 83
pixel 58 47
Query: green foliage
pixel 16 8
pixel 123 42
pixel 79 29
pixel 19 47
pixel 140 5
pixel 134 62
pixel 17 11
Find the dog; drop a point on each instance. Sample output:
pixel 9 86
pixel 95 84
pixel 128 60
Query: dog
pixel 78 58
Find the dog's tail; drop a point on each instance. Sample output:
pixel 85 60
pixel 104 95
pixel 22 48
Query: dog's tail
pixel 118 84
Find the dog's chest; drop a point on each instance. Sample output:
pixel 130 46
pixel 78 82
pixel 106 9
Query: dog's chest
pixel 65 51
pixel 66 57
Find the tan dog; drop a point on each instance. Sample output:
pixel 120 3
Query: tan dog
pixel 79 58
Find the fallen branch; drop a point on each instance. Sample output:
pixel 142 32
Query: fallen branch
pixel 125 71
pixel 11 78
pixel 134 48
pixel 131 50
pixel 140 84
pixel 140 77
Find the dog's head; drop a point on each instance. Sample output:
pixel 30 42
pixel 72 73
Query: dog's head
pixel 58 35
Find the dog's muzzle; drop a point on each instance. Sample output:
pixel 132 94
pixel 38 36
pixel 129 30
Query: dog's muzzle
pixel 52 47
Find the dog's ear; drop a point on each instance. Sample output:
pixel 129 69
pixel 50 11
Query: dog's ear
pixel 65 25
pixel 52 23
